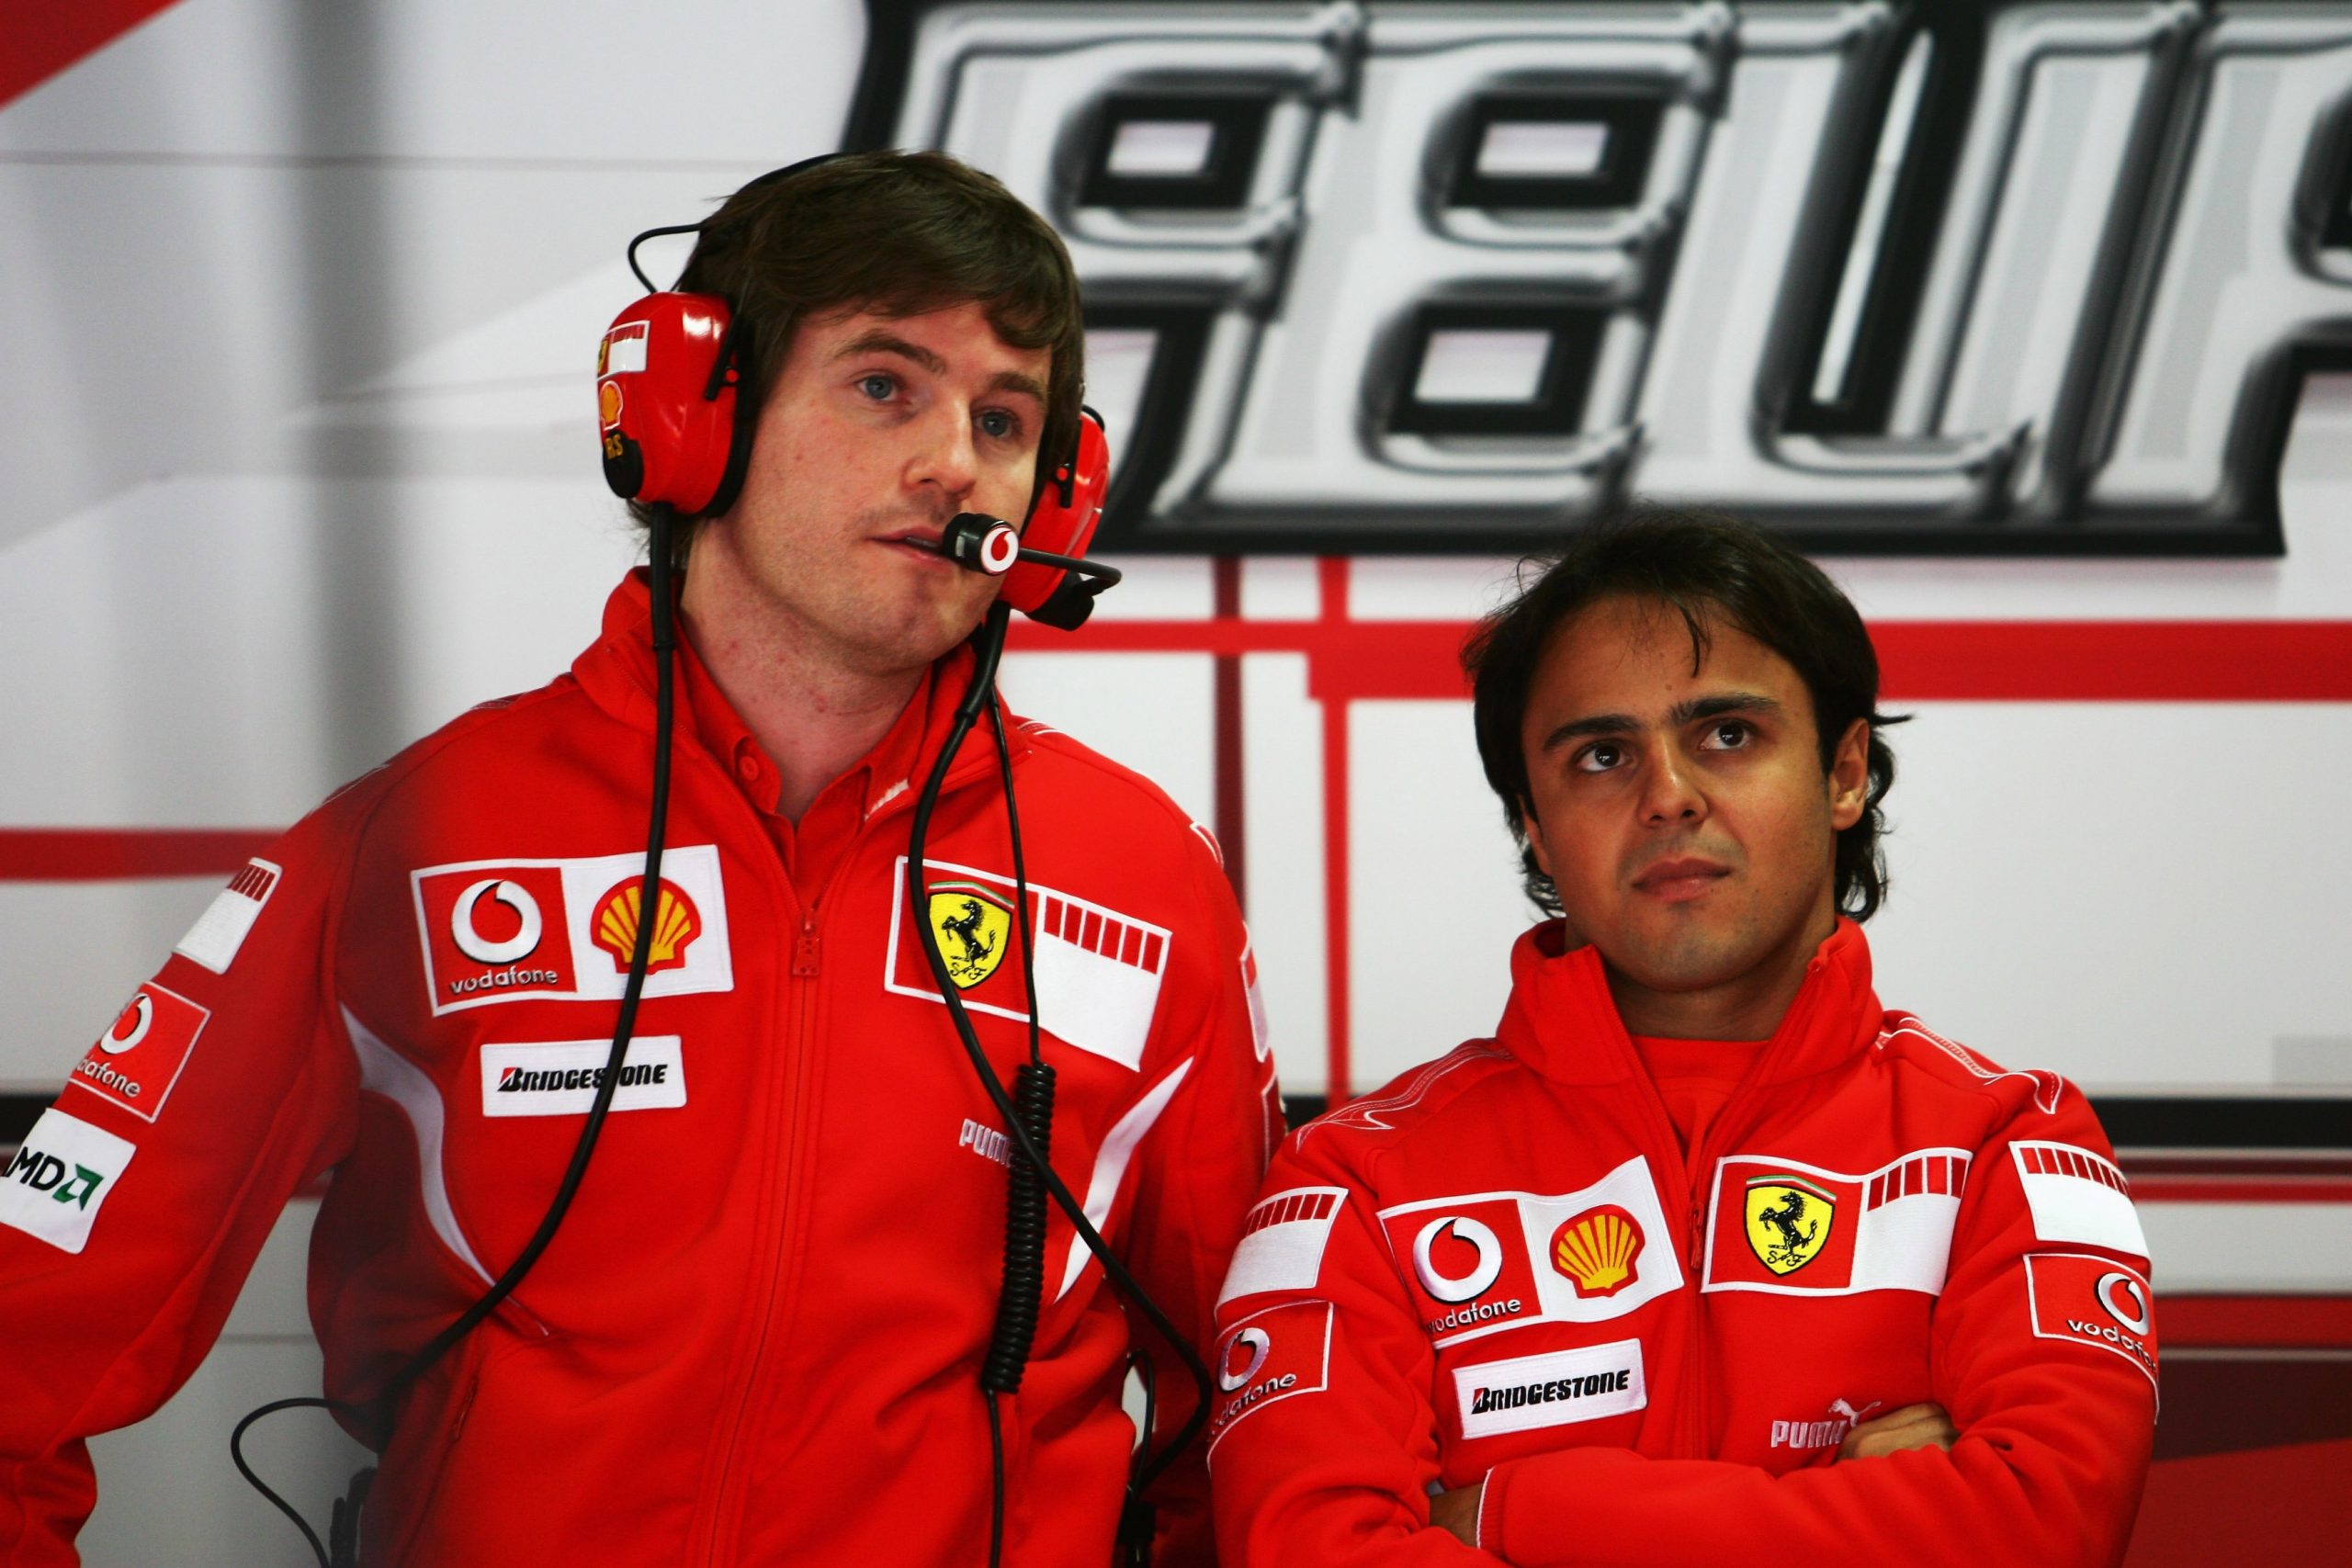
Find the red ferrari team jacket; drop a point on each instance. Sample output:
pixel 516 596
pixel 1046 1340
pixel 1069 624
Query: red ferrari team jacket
pixel 754 1339
pixel 1503 1268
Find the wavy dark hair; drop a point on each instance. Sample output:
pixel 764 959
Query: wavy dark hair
pixel 901 234
pixel 1711 570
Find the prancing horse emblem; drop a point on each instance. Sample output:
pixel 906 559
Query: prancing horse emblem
pixel 1788 1221
pixel 973 924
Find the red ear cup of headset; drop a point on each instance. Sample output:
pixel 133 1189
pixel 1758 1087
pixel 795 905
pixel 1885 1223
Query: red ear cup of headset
pixel 1062 521
pixel 666 398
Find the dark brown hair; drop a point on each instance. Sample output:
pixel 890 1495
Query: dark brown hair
pixel 1712 571
pixel 897 233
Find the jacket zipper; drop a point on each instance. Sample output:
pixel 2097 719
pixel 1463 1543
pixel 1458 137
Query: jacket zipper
pixel 808 952
pixel 1694 1167
pixel 1700 1167
pixel 1665 1137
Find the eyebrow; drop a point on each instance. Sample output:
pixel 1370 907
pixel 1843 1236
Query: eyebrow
pixel 1683 713
pixel 878 341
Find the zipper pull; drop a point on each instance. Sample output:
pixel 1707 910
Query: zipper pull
pixel 807 950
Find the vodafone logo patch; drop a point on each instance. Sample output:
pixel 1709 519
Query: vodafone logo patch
pixel 131 1027
pixel 1252 1347
pixel 529 924
pixel 1268 1356
pixel 504 931
pixel 141 1056
pixel 2094 1301
pixel 1476 1272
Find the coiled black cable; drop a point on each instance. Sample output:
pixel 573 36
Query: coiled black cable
pixel 1017 1303
pixel 1135 1530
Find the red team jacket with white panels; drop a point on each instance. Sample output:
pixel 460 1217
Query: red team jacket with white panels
pixel 1504 1267
pixel 755 1339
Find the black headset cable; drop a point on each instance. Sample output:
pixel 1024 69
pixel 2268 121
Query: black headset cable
pixel 376 1412
pixel 989 648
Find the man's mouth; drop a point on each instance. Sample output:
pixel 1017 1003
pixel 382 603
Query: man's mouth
pixel 1679 880
pixel 919 541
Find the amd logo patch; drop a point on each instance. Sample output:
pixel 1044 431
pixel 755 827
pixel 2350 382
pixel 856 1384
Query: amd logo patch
pixel 60 1177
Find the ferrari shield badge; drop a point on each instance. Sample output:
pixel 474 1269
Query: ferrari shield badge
pixel 1788 1221
pixel 973 925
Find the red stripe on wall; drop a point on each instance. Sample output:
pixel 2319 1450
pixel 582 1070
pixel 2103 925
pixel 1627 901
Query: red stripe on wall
pixel 1331 582
pixel 2241 1189
pixel 2255 1322
pixel 123 854
pixel 2156 661
pixel 1232 829
pixel 43 36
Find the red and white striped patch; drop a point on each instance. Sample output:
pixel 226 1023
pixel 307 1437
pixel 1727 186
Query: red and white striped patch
pixel 1282 1241
pixel 1936 1174
pixel 221 929
pixel 2077 1194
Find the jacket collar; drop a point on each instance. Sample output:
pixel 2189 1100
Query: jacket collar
pixel 1561 1022
pixel 617 672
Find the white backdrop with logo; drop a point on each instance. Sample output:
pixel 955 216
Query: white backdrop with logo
pixel 302 302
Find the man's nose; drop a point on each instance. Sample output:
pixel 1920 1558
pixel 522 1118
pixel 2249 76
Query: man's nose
pixel 947 456
pixel 1669 792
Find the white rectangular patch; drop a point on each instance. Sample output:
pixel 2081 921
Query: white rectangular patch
pixel 2076 1195
pixel 221 929
pixel 1481 1263
pixel 559 1078
pixel 1557 1389
pixel 1098 971
pixel 502 931
pixel 1282 1241
pixel 60 1177
pixel 623 350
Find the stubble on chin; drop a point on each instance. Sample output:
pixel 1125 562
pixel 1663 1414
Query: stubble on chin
pixel 894 635
pixel 1684 954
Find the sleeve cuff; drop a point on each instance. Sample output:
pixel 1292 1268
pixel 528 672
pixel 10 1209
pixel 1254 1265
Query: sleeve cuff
pixel 1490 1534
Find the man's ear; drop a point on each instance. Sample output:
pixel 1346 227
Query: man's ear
pixel 1527 827
pixel 1850 775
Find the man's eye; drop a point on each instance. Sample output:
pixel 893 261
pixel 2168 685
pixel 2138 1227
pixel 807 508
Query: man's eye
pixel 1600 757
pixel 1729 735
pixel 999 425
pixel 877 386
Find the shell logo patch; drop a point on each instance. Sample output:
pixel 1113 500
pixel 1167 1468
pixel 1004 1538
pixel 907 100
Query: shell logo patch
pixel 974 924
pixel 1789 1221
pixel 1598 1250
pixel 676 923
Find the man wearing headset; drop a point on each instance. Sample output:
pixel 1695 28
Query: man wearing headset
pixel 755 1338
pixel 1706 1260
